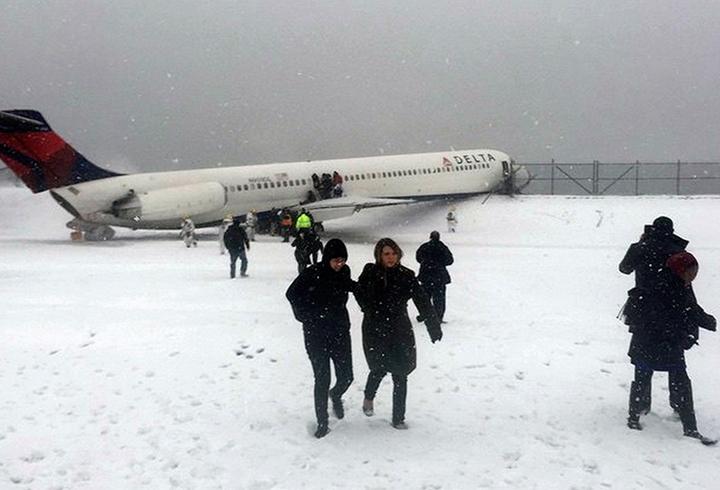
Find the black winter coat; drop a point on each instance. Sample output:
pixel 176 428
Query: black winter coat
pixel 434 257
pixel 647 258
pixel 318 297
pixel 388 339
pixel 235 238
pixel 658 326
pixel 305 247
pixel 671 326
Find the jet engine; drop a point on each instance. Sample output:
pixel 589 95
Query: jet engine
pixel 171 202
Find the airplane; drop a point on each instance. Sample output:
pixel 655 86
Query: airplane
pixel 99 199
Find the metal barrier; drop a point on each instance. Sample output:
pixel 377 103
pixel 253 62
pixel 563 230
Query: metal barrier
pixel 638 178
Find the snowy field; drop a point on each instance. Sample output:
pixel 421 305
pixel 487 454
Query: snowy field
pixel 138 363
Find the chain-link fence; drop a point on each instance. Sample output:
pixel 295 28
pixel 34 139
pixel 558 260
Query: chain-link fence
pixel 625 179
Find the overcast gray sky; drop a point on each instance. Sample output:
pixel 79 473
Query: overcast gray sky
pixel 148 85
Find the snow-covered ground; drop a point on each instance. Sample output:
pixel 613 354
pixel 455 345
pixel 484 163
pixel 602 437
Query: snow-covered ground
pixel 137 363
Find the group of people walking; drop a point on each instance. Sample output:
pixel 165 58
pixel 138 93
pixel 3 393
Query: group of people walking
pixel 319 296
pixel 661 312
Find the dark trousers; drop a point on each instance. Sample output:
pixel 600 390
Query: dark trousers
pixel 238 254
pixel 399 392
pixel 681 399
pixel 321 350
pixel 437 298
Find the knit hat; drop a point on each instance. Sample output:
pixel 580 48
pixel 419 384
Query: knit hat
pixel 664 225
pixel 683 265
pixel 334 248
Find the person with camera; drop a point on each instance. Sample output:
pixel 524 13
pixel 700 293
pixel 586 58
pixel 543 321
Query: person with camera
pixel 664 319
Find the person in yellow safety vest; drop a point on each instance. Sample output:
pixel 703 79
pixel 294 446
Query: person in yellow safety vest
pixel 303 221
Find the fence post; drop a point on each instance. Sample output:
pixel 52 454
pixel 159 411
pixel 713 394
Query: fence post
pixel 677 180
pixel 552 177
pixel 596 176
pixel 637 176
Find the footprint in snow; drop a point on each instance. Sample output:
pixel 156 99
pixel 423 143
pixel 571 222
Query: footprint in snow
pixel 33 457
pixel 244 351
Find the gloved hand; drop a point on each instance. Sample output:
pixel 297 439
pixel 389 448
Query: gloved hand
pixel 711 323
pixel 435 332
pixel 688 342
pixel 300 315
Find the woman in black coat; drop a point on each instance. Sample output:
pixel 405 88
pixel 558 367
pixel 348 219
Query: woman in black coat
pixel 665 323
pixel 384 289
pixel 318 297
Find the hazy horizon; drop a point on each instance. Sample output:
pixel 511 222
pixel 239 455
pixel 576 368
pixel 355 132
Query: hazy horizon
pixel 136 86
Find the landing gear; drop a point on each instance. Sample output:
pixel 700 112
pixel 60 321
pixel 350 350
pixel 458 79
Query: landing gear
pixel 99 234
pixel 92 231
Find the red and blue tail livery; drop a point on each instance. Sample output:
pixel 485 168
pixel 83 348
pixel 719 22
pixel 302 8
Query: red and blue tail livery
pixel 41 158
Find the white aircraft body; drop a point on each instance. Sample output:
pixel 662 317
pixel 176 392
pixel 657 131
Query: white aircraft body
pixel 98 198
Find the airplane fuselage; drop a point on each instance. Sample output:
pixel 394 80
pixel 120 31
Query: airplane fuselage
pixel 158 200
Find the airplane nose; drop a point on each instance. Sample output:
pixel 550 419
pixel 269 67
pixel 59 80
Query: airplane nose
pixel 520 176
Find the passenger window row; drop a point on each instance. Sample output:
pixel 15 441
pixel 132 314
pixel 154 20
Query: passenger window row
pixel 267 185
pixel 404 173
pixel 353 177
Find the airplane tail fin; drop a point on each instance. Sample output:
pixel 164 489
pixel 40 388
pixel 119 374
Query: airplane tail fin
pixel 41 158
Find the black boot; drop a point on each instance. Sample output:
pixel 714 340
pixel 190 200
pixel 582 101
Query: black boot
pixel 635 406
pixel 705 440
pixel 337 406
pixel 634 423
pixel 399 424
pixel 645 399
pixel 368 407
pixel 322 430
pixel 399 397
pixel 683 398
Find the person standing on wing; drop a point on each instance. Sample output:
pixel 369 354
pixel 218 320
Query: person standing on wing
pixel 434 257
pixel 318 297
pixel 384 288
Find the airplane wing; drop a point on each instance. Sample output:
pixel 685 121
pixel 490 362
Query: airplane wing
pixel 340 207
